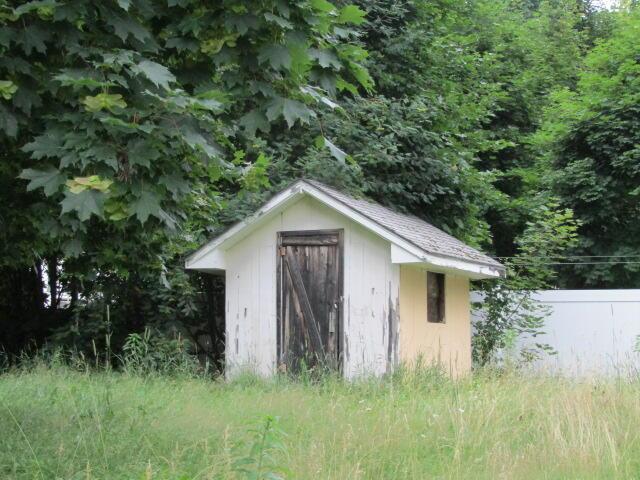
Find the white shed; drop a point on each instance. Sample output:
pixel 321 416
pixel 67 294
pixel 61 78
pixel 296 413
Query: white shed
pixel 318 274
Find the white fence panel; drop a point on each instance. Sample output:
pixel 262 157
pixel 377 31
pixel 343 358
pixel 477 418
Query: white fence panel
pixel 593 331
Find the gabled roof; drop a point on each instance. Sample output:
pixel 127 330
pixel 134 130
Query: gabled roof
pixel 412 239
pixel 411 228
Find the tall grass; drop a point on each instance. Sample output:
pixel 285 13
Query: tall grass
pixel 77 423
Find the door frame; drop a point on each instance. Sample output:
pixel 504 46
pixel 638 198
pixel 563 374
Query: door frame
pixel 339 232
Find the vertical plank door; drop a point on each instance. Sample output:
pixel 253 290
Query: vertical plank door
pixel 309 298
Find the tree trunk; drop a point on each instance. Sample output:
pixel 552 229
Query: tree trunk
pixel 52 272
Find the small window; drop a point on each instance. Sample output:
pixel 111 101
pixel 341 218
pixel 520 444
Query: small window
pixel 435 297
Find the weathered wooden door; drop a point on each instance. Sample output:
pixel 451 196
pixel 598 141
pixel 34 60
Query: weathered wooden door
pixel 309 298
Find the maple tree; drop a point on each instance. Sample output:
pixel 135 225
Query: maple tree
pixel 123 120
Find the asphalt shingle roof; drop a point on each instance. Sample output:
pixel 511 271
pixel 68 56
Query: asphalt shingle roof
pixel 413 229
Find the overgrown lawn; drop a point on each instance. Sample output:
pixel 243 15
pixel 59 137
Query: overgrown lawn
pixel 60 423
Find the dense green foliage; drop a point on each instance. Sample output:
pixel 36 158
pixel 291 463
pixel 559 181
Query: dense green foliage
pixel 133 129
pixel 127 119
pixel 596 130
pixel 57 422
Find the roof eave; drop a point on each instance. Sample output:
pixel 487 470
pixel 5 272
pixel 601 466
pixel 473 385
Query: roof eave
pixel 277 203
pixel 446 264
pixel 474 270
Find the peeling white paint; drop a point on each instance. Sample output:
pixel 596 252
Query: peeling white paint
pixel 370 281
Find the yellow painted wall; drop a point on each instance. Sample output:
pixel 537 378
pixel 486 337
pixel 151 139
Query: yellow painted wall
pixel 447 344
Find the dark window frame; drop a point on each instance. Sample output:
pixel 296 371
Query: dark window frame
pixel 436 293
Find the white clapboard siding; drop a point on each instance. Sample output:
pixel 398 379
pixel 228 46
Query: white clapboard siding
pixel 593 331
